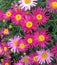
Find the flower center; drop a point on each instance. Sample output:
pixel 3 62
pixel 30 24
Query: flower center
pixel 8 14
pixel 54 4
pixel 26 60
pixel 35 58
pixel 29 24
pixel 41 38
pixel 44 55
pixel 39 17
pixel 30 40
pixel 22 46
pixel 6 31
pixel 18 17
pixel 27 1
pixel 15 43
pixel 5 48
pixel 6 64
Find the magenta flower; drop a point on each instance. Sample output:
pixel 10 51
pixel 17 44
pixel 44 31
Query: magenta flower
pixel 17 17
pixel 1 14
pixel 42 38
pixel 52 5
pixel 13 43
pixel 28 24
pixel 8 14
pixel 39 16
pixel 22 46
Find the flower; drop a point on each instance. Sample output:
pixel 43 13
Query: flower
pixel 27 4
pixel 18 63
pixel 17 16
pixel 42 38
pixel 34 58
pixel 6 62
pixel 30 40
pixel 28 24
pixel 5 31
pixel 13 43
pixel 54 50
pixel 22 46
pixel 39 16
pixel 8 14
pixel 52 5
pixel 26 60
pixel 1 14
pixel 44 56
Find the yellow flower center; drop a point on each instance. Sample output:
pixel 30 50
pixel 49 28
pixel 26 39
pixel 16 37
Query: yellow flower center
pixel 26 60
pixel 0 50
pixel 29 24
pixel 6 31
pixel 18 17
pixel 5 48
pixel 22 45
pixel 41 38
pixel 54 4
pixel 39 17
pixel 6 63
pixel 35 58
pixel 15 43
pixel 44 55
pixel 8 14
pixel 30 40
pixel 27 1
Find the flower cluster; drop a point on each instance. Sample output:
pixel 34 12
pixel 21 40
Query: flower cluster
pixel 36 35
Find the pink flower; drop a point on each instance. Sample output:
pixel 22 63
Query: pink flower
pixel 22 46
pixel 13 43
pixel 30 40
pixel 54 50
pixel 34 58
pixel 52 5
pixel 8 14
pixel 1 14
pixel 28 24
pixel 39 16
pixel 42 38
pixel 6 62
pixel 17 16
pixel 26 60
pixel 18 63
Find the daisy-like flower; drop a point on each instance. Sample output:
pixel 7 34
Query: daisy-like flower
pixel 42 38
pixel 27 4
pixel 34 58
pixel 54 50
pixel 6 62
pixel 22 46
pixel 28 24
pixel 44 56
pixel 18 63
pixel 26 60
pixel 39 16
pixel 52 5
pixel 30 40
pixel 8 14
pixel 1 14
pixel 17 16
pixel 13 43
pixel 5 31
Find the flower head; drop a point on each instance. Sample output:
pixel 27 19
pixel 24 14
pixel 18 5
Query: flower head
pixel 39 16
pixel 27 4
pixel 13 43
pixel 44 56
pixel 42 38
pixel 52 5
